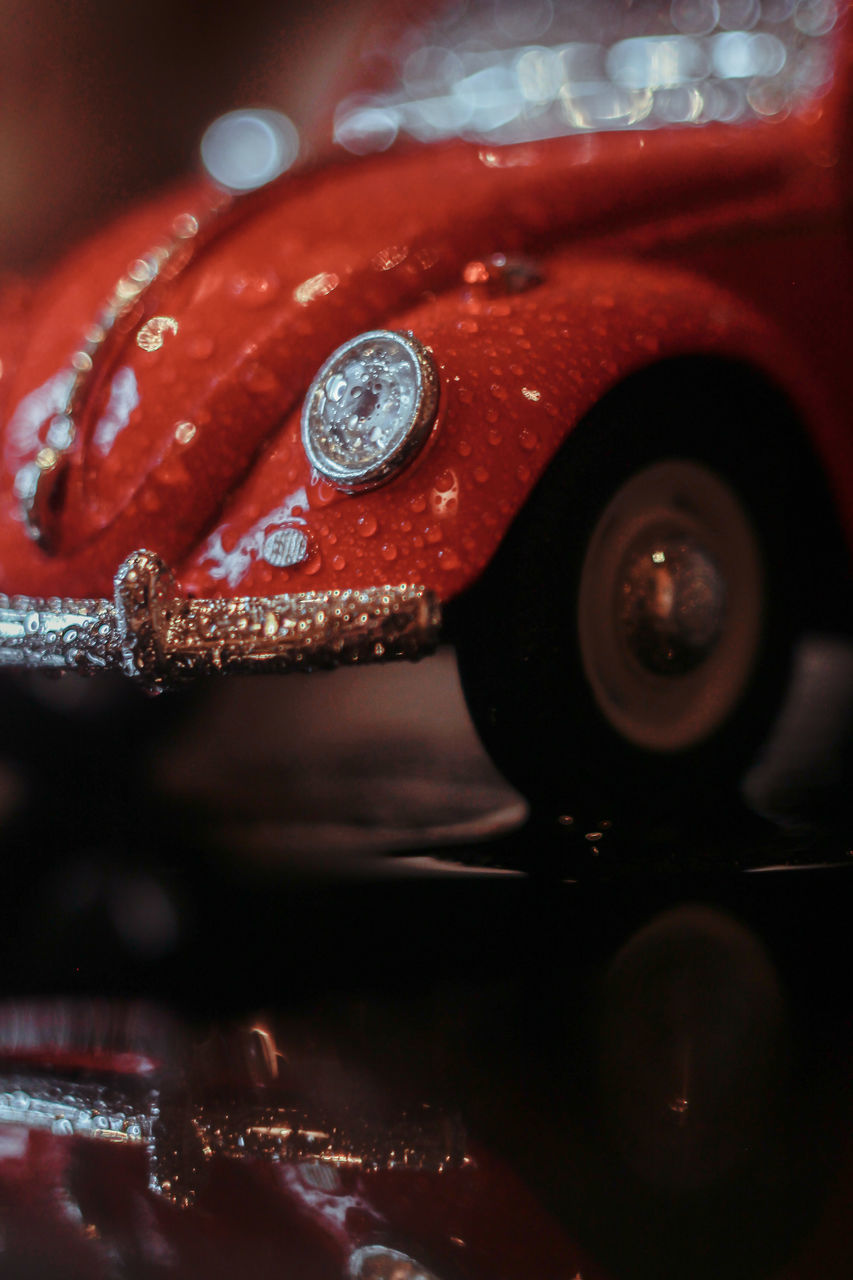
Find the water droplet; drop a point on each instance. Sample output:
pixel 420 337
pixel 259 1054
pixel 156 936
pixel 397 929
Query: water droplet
pixel 481 475
pixel 467 325
pixel 185 226
pixel 152 334
pixel 317 287
pixel 324 493
pixel 433 533
pixel 185 432
pixel 528 439
pixel 367 525
pixel 418 503
pixel 523 473
pixel 390 257
pixel 476 273
pixel 494 437
pixel 314 565
pixel 338 563
pixel 427 257
pixel 260 380
pixel 448 559
pixel 254 290
pixel 463 449
pixel 444 499
pixel 389 551
pixel 465 395
pixel 498 390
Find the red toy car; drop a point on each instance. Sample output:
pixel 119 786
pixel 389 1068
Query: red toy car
pixel 556 365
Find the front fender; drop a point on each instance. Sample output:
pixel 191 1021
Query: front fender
pixel 517 374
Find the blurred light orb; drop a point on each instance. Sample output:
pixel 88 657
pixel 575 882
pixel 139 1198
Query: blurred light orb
pixel 740 15
pixel 246 149
pixel 657 62
pixel 362 129
pixel 526 21
pixel 695 17
pixel 815 17
pixel 741 54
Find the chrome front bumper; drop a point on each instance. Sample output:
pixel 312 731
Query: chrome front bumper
pixel 160 638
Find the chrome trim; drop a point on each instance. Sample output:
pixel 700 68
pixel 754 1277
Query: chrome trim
pixel 181 1134
pixel 81 1109
pixel 160 638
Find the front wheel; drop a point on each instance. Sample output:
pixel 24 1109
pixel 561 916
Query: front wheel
pixel 629 646
pixel 669 606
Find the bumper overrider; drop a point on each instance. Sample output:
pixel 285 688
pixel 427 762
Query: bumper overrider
pixel 159 638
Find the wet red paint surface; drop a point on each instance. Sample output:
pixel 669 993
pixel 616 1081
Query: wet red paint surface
pixel 73 1208
pixel 725 240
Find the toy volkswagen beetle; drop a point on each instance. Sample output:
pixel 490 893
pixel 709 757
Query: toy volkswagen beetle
pixel 555 363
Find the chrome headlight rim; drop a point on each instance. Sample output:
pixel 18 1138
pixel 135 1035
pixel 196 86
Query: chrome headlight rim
pixel 411 434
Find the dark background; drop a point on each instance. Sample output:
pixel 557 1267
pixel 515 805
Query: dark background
pixel 101 102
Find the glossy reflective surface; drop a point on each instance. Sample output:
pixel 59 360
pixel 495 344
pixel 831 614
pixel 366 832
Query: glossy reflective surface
pixel 642 1046
pixel 652 1075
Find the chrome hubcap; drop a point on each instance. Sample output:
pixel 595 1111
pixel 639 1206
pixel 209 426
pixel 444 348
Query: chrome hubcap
pixel 672 599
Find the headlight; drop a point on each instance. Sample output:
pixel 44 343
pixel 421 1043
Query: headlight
pixel 369 409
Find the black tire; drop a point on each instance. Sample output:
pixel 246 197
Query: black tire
pixel 525 652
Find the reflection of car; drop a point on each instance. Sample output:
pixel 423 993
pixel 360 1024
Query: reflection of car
pixel 587 396
pixel 137 1164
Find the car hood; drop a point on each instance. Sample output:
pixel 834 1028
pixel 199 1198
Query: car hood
pixel 171 426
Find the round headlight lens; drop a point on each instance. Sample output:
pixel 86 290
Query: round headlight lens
pixel 369 409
